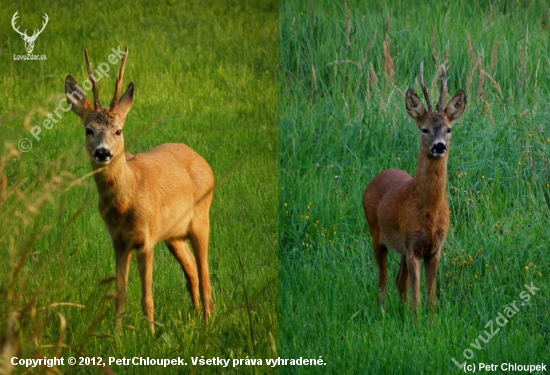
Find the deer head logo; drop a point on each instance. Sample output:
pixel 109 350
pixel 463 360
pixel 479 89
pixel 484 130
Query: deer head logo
pixel 29 40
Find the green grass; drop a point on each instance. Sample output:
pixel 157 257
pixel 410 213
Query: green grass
pixel 343 120
pixel 205 75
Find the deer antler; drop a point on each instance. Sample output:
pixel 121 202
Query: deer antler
pixel 97 104
pixel 36 32
pixel 443 91
pixel 118 83
pixel 423 87
pixel 24 34
pixel 15 16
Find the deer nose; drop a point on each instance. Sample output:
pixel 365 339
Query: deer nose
pixel 102 154
pixel 439 149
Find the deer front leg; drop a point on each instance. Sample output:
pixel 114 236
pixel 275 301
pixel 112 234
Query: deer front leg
pixel 122 265
pixel 431 264
pixel 413 268
pixel 145 268
pixel 402 280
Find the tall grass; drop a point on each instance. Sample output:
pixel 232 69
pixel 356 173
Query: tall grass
pixel 344 69
pixel 205 75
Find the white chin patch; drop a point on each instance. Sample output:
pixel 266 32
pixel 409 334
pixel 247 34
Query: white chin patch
pixel 103 162
pixel 438 154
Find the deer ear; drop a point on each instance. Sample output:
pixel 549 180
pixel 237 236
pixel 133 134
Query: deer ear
pixel 456 105
pixel 414 105
pixel 76 97
pixel 126 100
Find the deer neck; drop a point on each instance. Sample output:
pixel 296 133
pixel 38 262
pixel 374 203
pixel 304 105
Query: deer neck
pixel 115 184
pixel 430 180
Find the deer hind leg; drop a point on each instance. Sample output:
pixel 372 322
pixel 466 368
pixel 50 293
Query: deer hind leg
pixel 431 264
pixel 180 250
pixel 122 266
pixel 145 268
pixel 402 280
pixel 381 255
pixel 199 241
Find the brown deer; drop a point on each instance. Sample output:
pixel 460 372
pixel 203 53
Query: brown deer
pixel 163 194
pixel 411 215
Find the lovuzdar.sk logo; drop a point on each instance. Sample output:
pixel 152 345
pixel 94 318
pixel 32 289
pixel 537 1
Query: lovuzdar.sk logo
pixel 29 40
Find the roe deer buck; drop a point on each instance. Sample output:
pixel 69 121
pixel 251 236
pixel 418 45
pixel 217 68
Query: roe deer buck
pixel 411 215
pixel 161 195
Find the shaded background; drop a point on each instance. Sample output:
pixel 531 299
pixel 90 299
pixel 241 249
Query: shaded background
pixel 345 67
pixel 205 75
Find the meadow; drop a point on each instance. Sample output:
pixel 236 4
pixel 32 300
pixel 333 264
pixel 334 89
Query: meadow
pixel 345 67
pixel 205 74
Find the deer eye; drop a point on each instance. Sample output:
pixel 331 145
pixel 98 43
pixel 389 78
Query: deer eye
pixel 449 130
pixel 118 132
pixel 425 131
pixel 89 132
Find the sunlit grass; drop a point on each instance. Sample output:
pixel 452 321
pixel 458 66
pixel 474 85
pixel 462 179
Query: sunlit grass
pixel 205 75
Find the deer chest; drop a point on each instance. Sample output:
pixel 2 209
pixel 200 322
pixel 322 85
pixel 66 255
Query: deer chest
pixel 123 228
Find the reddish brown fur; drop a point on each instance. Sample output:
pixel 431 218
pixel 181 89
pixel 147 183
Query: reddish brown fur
pixel 411 215
pixel 160 195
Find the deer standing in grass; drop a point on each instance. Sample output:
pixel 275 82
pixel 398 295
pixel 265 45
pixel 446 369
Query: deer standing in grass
pixel 411 215
pixel 160 195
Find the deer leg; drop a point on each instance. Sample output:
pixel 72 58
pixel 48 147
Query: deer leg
pixel 413 268
pixel 145 268
pixel 381 255
pixel 122 266
pixel 180 250
pixel 402 280
pixel 199 241
pixel 430 264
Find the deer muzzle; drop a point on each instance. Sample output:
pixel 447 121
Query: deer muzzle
pixel 439 149
pixel 103 156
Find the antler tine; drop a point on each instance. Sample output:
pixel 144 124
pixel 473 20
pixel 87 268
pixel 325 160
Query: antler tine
pixel 443 91
pixel 118 83
pixel 97 104
pixel 423 87
pixel 13 19
pixel 46 18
